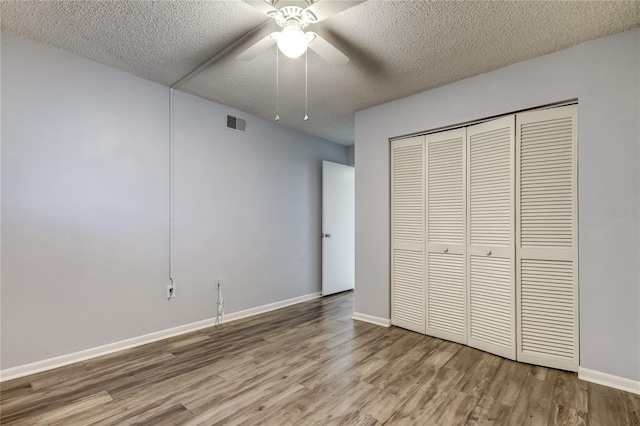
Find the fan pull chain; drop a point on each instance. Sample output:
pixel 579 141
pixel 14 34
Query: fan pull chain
pixel 306 95
pixel 277 83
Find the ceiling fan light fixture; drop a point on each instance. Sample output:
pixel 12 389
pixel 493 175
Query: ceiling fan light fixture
pixel 292 42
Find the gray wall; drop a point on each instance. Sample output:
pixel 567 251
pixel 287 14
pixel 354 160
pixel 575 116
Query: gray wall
pixel 247 208
pixel 605 76
pixel 85 202
pixel 351 155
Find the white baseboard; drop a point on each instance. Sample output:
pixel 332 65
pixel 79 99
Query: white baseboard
pixel 270 307
pixel 385 322
pixel 609 380
pixel 60 361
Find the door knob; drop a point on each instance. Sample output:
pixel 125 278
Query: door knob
pixel 446 250
pixel 489 253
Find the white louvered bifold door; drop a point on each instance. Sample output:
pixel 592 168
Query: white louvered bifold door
pixel 407 234
pixel 446 292
pixel 546 237
pixel 490 237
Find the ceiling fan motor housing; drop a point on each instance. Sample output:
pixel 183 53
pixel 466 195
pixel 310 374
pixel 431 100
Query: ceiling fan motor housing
pixel 293 40
pixel 302 16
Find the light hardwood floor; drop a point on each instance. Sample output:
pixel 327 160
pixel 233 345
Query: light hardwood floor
pixel 310 364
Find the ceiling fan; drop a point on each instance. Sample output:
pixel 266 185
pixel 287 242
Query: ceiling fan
pixel 292 41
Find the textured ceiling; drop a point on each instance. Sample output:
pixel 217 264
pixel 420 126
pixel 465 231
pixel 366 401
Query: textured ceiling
pixel 397 48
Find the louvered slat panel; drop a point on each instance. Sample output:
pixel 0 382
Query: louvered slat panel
pixel 446 288
pixel 546 183
pixel 446 216
pixel 548 325
pixel 445 191
pixel 407 227
pixel 490 237
pixel 491 301
pixel 490 180
pixel 546 251
pixel 408 193
pixel 408 279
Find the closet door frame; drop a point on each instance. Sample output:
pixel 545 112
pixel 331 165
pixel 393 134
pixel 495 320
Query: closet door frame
pixel 540 274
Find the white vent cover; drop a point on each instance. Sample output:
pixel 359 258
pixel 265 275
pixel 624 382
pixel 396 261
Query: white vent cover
pixel 237 124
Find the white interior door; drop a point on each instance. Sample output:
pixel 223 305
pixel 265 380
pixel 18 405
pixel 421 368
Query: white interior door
pixel 338 227
pixel 407 234
pixel 490 237
pixel 446 205
pixel 547 238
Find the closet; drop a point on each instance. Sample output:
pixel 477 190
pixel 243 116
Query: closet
pixel 484 236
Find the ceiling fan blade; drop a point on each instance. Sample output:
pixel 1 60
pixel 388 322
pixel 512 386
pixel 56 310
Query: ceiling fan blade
pixel 261 5
pixel 326 50
pixel 258 48
pixel 322 9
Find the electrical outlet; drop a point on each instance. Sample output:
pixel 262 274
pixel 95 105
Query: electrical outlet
pixel 218 282
pixel 171 290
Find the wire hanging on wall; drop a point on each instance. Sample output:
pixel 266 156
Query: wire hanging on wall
pixel 171 190
pixel 277 83
pixel 220 306
pixel 306 96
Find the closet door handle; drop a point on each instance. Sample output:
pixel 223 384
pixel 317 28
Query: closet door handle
pixel 489 253
pixel 446 250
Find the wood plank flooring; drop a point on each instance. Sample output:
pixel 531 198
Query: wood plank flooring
pixel 309 364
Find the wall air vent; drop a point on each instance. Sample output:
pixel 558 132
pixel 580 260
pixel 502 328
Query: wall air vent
pixel 237 124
